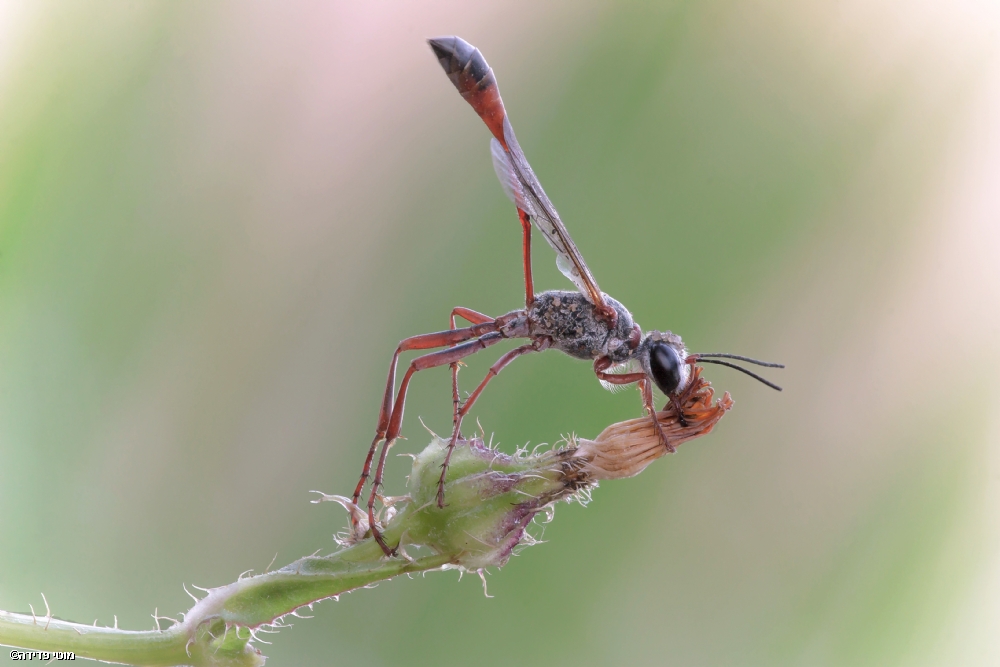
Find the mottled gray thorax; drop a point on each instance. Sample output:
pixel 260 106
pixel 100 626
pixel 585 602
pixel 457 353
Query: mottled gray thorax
pixel 576 329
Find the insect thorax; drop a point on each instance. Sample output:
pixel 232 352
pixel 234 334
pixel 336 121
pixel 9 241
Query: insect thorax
pixel 576 329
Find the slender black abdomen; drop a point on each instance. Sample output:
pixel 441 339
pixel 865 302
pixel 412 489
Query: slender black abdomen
pixel 468 70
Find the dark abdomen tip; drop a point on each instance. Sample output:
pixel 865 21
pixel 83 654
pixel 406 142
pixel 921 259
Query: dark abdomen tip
pixel 468 71
pixel 455 55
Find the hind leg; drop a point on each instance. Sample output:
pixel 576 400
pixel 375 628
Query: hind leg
pixel 395 421
pixel 421 342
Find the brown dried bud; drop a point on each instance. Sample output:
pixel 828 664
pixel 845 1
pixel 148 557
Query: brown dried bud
pixel 626 448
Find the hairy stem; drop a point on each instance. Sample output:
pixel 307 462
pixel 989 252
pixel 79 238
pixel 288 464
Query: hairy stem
pixel 216 630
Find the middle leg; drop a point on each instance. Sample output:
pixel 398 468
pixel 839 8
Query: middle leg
pixel 502 362
pixel 473 317
pixel 432 360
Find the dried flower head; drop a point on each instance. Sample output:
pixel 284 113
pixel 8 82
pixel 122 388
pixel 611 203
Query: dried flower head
pixel 626 448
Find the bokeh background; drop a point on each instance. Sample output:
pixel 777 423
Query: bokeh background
pixel 217 220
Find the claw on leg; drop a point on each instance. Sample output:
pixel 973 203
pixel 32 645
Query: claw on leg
pixel 444 467
pixel 376 485
pixel 663 436
pixel 456 400
pixel 647 402
pixel 678 406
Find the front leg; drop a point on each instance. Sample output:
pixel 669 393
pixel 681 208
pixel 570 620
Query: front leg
pixel 679 407
pixel 646 387
pixel 602 364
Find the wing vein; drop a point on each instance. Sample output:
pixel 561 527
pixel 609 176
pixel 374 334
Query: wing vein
pixel 522 187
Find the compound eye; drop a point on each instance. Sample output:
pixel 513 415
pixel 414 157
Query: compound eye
pixel 665 365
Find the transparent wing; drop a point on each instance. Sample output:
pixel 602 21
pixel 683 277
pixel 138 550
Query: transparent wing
pixel 508 179
pixel 522 187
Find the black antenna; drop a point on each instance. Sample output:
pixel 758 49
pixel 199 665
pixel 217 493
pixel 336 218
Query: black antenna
pixel 742 370
pixel 726 355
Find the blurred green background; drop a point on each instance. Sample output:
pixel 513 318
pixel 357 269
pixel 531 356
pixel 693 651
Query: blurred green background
pixel 217 219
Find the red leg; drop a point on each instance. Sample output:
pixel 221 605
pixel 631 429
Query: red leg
pixel 529 285
pixel 603 363
pixel 495 369
pixel 432 360
pixel 421 342
pixel 646 387
pixel 475 318
pixel 472 316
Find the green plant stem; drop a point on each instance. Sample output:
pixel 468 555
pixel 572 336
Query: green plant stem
pixel 248 603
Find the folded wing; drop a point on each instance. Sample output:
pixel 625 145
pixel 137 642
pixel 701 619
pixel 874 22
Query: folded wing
pixel 522 187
